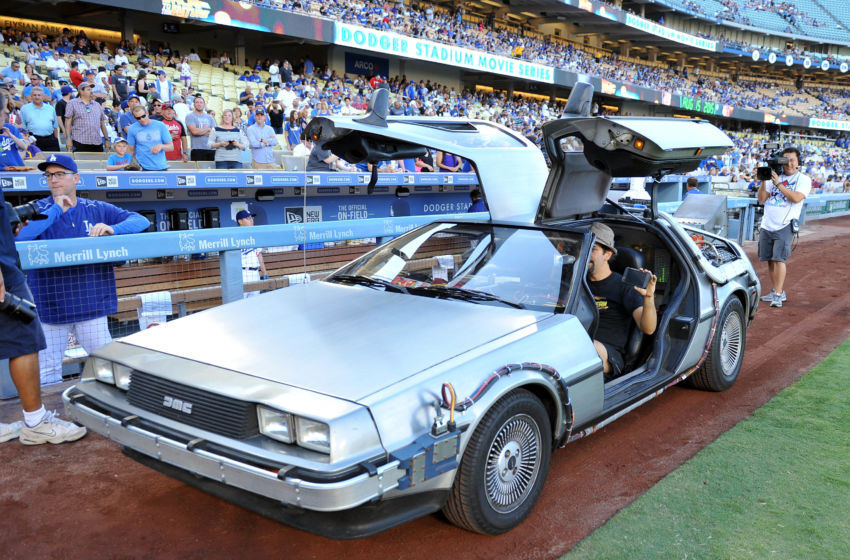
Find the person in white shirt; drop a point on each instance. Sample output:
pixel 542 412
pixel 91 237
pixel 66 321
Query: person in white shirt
pixel 253 267
pixel 783 198
pixel 56 64
pixel 347 110
pixel 274 73
pixel 286 96
pixel 303 148
pixel 121 58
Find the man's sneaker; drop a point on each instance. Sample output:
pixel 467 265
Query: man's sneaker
pixel 51 429
pixel 10 431
pixel 777 300
pixel 769 297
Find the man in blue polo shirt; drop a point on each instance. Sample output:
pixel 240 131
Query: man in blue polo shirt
pixel 149 140
pixel 39 118
pixel 74 298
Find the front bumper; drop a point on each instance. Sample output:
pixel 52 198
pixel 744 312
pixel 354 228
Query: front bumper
pixel 274 484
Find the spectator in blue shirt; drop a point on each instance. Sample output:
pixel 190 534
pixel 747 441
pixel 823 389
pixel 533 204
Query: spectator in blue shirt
pixel 149 140
pixel 39 118
pixel 12 143
pixel 692 186
pixel 13 73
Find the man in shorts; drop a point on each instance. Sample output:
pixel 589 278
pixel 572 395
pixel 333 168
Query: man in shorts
pixel 783 198
pixel 618 303
pixel 20 343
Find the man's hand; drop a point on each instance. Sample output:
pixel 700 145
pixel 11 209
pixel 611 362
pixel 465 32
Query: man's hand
pixel 2 288
pixel 185 157
pixel 156 148
pixel 100 230
pixel 774 177
pixel 69 143
pixel 64 202
pixel 649 291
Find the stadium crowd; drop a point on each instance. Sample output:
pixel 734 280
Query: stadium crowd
pixel 296 93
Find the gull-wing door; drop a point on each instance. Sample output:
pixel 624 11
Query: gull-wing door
pixel 586 152
pixel 511 170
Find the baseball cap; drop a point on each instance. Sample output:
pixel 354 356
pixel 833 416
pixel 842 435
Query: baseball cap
pixel 84 85
pixel 136 97
pixel 604 235
pixel 288 84
pixel 61 160
pixel 260 111
pixel 242 214
pixel 124 104
pixel 66 90
pixel 161 72
pixel 119 139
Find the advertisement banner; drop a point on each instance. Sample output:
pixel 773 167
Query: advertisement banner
pixel 671 34
pixel 364 65
pixel 827 124
pixel 381 42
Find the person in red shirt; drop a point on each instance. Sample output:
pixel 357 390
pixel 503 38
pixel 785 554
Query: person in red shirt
pixel 74 74
pixel 178 135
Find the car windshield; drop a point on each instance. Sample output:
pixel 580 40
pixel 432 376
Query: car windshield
pixel 505 266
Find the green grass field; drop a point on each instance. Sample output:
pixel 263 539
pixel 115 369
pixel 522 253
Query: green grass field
pixel 775 486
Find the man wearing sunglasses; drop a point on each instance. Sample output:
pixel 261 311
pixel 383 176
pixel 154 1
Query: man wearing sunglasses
pixel 85 121
pixel 74 298
pixel 149 141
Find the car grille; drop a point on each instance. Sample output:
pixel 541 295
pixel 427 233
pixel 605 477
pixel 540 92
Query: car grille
pixel 194 407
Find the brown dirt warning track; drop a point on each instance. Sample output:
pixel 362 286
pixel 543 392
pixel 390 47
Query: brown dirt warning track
pixel 87 500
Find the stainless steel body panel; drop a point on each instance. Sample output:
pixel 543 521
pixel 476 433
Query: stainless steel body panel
pixel 331 346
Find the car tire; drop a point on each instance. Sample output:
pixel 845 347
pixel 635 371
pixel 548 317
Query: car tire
pixel 723 363
pixel 492 491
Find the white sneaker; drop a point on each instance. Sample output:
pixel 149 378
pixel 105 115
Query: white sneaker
pixel 10 431
pixel 51 429
pixel 770 297
pixel 777 301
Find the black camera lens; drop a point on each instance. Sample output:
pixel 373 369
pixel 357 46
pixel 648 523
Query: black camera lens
pixel 18 308
pixel 22 213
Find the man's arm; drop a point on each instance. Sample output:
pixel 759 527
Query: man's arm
pixel 34 228
pixel 646 316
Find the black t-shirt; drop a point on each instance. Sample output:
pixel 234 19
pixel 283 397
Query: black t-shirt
pixel 276 118
pixel 121 84
pixel 616 301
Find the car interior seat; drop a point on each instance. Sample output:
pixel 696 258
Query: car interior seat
pixel 628 257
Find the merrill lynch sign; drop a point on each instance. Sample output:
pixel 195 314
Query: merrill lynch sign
pixel 440 53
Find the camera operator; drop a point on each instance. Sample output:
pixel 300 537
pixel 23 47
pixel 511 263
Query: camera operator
pixel 782 197
pixel 19 343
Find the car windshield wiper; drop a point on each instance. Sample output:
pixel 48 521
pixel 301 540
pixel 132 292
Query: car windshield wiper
pixel 360 280
pixel 453 292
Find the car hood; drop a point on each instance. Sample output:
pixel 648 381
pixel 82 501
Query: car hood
pixel 340 340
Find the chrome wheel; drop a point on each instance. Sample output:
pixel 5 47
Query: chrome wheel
pixel 513 463
pixel 731 343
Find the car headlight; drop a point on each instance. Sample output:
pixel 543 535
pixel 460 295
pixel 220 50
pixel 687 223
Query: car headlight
pixel 121 374
pixel 313 435
pixel 103 370
pixel 275 424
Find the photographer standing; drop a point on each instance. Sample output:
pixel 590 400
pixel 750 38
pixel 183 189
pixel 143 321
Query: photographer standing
pixel 20 343
pixel 782 197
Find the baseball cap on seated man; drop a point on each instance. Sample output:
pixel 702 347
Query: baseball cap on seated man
pixel 61 160
pixel 66 90
pixel 242 214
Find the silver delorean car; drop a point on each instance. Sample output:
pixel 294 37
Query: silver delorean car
pixel 440 370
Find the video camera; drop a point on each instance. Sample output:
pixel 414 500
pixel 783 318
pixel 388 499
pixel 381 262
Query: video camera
pixel 23 213
pixel 774 162
pixel 18 308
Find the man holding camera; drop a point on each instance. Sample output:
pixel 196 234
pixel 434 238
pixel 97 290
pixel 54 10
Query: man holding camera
pixel 19 343
pixel 783 198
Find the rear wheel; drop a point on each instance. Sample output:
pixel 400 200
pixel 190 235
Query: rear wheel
pixel 723 363
pixel 504 466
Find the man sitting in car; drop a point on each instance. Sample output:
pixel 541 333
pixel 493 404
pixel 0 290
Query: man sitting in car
pixel 616 301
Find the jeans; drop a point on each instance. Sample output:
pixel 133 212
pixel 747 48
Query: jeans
pixel 228 165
